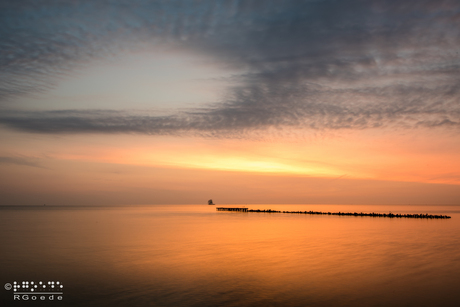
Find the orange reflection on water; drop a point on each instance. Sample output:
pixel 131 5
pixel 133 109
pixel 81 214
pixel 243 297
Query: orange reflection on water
pixel 176 255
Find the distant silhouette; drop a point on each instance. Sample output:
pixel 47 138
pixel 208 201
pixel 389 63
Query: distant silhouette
pixel 391 215
pixel 210 202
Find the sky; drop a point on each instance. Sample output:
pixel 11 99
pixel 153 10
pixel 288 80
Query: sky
pixel 175 102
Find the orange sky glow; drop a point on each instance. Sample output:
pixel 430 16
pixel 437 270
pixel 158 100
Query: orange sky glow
pixel 349 167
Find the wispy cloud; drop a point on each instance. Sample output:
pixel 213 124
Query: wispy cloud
pixel 310 64
pixel 18 160
pixel 252 110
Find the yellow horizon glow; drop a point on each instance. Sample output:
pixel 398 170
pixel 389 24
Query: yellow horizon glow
pixel 357 155
pixel 352 167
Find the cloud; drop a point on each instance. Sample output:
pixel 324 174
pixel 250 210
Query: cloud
pixel 24 161
pixel 310 64
pixel 259 108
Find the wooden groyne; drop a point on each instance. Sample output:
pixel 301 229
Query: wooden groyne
pixel 232 209
pixel 390 215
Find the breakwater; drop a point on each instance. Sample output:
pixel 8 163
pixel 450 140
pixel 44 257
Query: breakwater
pixel 390 215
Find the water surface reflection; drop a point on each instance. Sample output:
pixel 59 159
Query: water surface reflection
pixel 194 256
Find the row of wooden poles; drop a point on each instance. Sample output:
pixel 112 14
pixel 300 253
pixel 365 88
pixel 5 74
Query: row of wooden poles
pixel 416 216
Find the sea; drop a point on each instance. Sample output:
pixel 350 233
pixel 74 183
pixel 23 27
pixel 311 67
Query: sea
pixel 194 255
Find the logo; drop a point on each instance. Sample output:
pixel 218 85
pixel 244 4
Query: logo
pixel 32 290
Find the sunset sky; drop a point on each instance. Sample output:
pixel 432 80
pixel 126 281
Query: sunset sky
pixel 175 102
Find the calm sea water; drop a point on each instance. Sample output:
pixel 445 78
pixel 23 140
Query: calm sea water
pixel 192 255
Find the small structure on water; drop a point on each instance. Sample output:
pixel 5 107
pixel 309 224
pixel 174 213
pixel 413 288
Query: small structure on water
pixel 210 202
